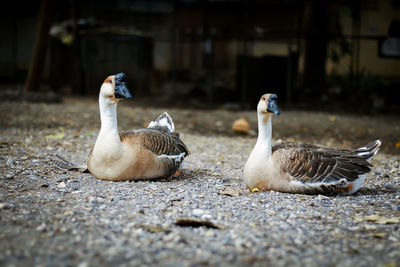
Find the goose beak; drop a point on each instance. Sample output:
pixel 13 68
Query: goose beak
pixel 273 105
pixel 120 90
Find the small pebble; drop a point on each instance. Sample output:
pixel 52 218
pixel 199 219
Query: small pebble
pixel 61 185
pixel 206 216
pixel 198 212
pixel 41 227
pixel 390 186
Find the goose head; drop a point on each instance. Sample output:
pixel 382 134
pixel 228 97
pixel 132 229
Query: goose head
pixel 268 105
pixel 114 89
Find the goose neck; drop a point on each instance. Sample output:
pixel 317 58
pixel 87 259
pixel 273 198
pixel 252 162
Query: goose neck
pixel 264 139
pixel 108 118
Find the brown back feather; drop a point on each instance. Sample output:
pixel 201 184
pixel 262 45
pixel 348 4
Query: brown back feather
pixel 311 163
pixel 159 142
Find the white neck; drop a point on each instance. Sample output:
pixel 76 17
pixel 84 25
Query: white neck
pixel 109 126
pixel 264 140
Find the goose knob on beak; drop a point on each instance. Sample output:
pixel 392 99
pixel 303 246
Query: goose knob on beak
pixel 273 104
pixel 121 91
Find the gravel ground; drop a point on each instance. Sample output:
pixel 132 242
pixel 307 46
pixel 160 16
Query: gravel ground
pixel 52 218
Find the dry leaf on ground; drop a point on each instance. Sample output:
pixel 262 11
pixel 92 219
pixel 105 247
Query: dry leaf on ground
pixel 241 126
pixel 229 191
pixel 378 219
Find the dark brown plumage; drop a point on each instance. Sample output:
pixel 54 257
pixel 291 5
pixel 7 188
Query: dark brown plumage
pixel 158 141
pixel 311 163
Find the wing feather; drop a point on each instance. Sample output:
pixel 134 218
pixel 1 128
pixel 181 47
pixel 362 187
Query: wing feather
pixel 157 141
pixel 311 163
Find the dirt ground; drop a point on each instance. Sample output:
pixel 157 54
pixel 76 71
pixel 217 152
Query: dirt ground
pixel 50 217
pixel 81 115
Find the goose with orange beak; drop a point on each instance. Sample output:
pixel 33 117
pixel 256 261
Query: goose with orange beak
pixel 303 168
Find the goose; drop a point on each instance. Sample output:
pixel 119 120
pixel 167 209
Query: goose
pixel 153 152
pixel 303 168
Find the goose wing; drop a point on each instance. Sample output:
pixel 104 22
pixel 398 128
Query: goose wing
pixel 158 141
pixel 312 164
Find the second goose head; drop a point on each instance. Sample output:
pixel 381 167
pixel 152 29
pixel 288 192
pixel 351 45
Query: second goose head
pixel 114 89
pixel 268 105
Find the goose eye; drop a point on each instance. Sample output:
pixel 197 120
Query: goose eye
pixel 110 81
pixel 263 98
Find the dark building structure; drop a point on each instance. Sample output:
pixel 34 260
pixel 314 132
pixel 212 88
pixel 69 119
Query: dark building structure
pixel 215 51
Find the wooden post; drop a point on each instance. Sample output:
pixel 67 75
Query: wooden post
pixel 32 82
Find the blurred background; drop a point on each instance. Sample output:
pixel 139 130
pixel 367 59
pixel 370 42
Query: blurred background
pixel 324 55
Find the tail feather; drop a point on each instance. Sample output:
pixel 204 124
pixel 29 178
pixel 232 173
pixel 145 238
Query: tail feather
pixel 164 121
pixel 65 165
pixel 368 151
pixel 336 186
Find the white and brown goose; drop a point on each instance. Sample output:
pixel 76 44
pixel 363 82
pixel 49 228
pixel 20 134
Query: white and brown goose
pixel 303 168
pixel 153 152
